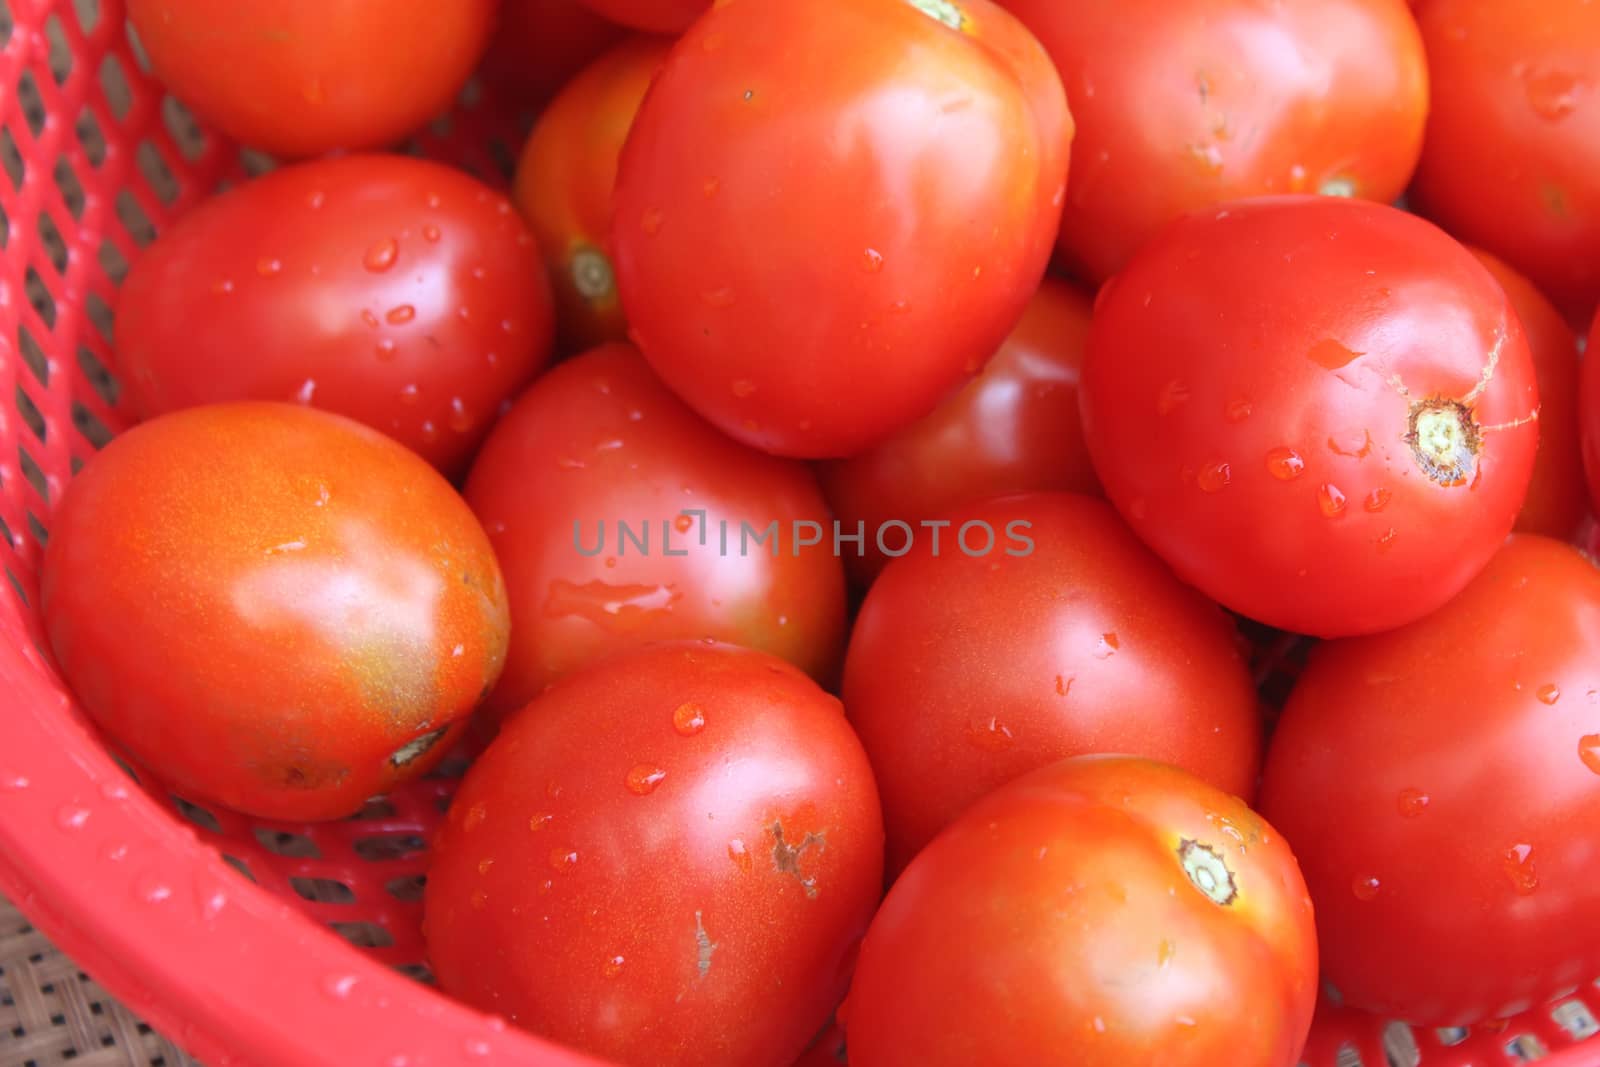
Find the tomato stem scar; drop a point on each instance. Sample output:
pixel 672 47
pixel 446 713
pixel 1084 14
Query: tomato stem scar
pixel 1208 871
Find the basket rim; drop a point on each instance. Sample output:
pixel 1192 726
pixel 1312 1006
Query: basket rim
pixel 133 897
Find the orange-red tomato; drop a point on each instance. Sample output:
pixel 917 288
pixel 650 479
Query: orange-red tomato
pixel 1185 103
pixel 1512 158
pixel 1589 415
pixel 667 859
pixel 654 16
pixel 300 77
pixel 565 179
pixel 968 670
pixel 1099 912
pixel 540 45
pixel 599 442
pixel 397 291
pixel 276 609
pixel 830 211
pixel 1014 428
pixel 1557 496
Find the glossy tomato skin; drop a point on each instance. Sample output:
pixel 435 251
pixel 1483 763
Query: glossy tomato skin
pixel 1589 414
pixel 540 45
pixel 599 440
pixel 815 243
pixel 1252 385
pixel 565 179
pixel 1444 776
pixel 1557 499
pixel 276 609
pixel 668 858
pixel 1014 428
pixel 1513 144
pixel 652 16
pixel 400 292
pixel 297 78
pixel 1063 904
pixel 965 672
pixel 1228 100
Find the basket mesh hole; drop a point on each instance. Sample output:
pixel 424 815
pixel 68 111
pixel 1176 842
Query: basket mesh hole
pixel 32 103
pixel 6 23
pixel 59 55
pixel 30 414
pixel 31 471
pixel 104 382
pixel 141 58
pixel 256 163
pixel 381 847
pixel 1451 1036
pixel 88 12
pixel 54 246
pixel 452 766
pixel 1400 1046
pixel 197 815
pixel 114 83
pixel 407 889
pixel 16 587
pixel 504 157
pixel 39 297
pixel 11 159
pixel 417 971
pixel 1526 1049
pixel 1574 1017
pixel 37 528
pixel 126 767
pixel 1348 1056
pixel 364 935
pixel 239 865
pixel 134 220
pixel 112 262
pixel 5 221
pixel 89 425
pixel 155 170
pixel 323 890
pixel 91 136
pixel 185 131
pixel 33 355
pixel 283 843
pixel 5 531
pixel 375 808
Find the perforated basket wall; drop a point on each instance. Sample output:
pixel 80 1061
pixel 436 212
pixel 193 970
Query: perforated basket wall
pixel 245 941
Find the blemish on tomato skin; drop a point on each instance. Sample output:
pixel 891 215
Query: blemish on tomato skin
pixel 786 856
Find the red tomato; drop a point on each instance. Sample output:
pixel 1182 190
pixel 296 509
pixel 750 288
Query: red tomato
pixel 540 45
pixel 1589 411
pixel 826 1051
pixel 829 211
pixel 1512 156
pixel 300 77
pixel 277 610
pixel 1012 429
pixel 564 182
pixel 397 291
pixel 653 16
pixel 1557 499
pixel 1099 912
pixel 1181 104
pixel 968 670
pixel 1443 778
pixel 599 442
pixel 1319 411
pixel 669 858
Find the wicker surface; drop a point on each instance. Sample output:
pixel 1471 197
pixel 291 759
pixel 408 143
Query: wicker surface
pixel 51 1012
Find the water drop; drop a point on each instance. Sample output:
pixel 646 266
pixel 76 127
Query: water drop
pixel 381 256
pixel 369 318
pixel 408 394
pixel 1518 865
pixel 1365 887
pixel 399 315
pixel 268 268
pixel 688 719
pixel 650 221
pixel 1386 540
pixel 316 199
pixel 1355 444
pixel 1237 410
pixel 990 734
pixel 718 298
pixel 222 286
pixel 539 820
pixel 1285 464
pixel 485 864
pixel 563 860
pixel 428 432
pixel 339 986
pixel 643 778
pixel 12 782
pixel 474 817
pixel 739 855
pixel 72 818
pixel 430 233
pixel 308 389
pixel 1106 646
pixel 385 349
pixel 152 890
pixel 613 966
pixel 1376 500
pixel 478 899
pixel 1330 500
pixel 1413 802
pixel 1548 694
pixel 477 1047
pixel 1589 751
pixel 114 791
pixel 1551 94
pixel 1331 354
pixel 1214 477
pixel 1173 396
pixel 461 420
pixel 872 261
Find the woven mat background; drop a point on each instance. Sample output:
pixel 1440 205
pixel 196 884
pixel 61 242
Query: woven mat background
pixel 53 1013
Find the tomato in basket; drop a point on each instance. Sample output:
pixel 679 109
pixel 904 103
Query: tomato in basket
pixel 397 291
pixel 1322 412
pixel 970 668
pixel 276 609
pixel 830 211
pixel 1589 412
pixel 541 45
pixel 668 858
pixel 297 78
pixel 1099 912
pixel 1439 783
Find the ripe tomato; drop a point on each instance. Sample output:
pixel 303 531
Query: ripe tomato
pixel 276 609
pixel 814 243
pixel 598 443
pixel 655 16
pixel 397 291
pixel 1589 412
pixel 1319 411
pixel 1443 777
pixel 966 671
pixel 1012 429
pixel 826 1051
pixel 669 858
pixel 1557 499
pixel 1099 912
pixel 1182 104
pixel 300 77
pixel 1513 145
pixel 565 179
pixel 540 45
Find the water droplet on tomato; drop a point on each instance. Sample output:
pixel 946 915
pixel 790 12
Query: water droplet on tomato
pixel 1332 354
pixel 1214 477
pixel 307 390
pixel 339 986
pixel 408 394
pixel 613 966
pixel 479 898
pixel 268 268
pixel 1106 646
pixel 643 778
pixel 399 315
pixel 1518 866
pixel 1285 464
pixel 385 349
pixel 1365 887
pixel 739 855
pixel 1386 540
pixel 990 734
pixel 539 820
pixel 1173 395
pixel 430 233
pixel 1548 694
pixel 1237 410
pixel 1551 93
pixel 473 817
pixel 485 864
pixel 428 432
pixel 369 318
pixel 1413 802
pixel 1356 444
pixel 872 261
pixel 1376 500
pixel 688 719
pixel 1330 500
pixel 72 817
pixel 563 860
pixel 222 286
pixel 1589 751
pixel 381 256
pixel 316 199
pixel 461 420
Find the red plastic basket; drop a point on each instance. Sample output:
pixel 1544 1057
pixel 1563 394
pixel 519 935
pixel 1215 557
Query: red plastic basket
pixel 251 942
